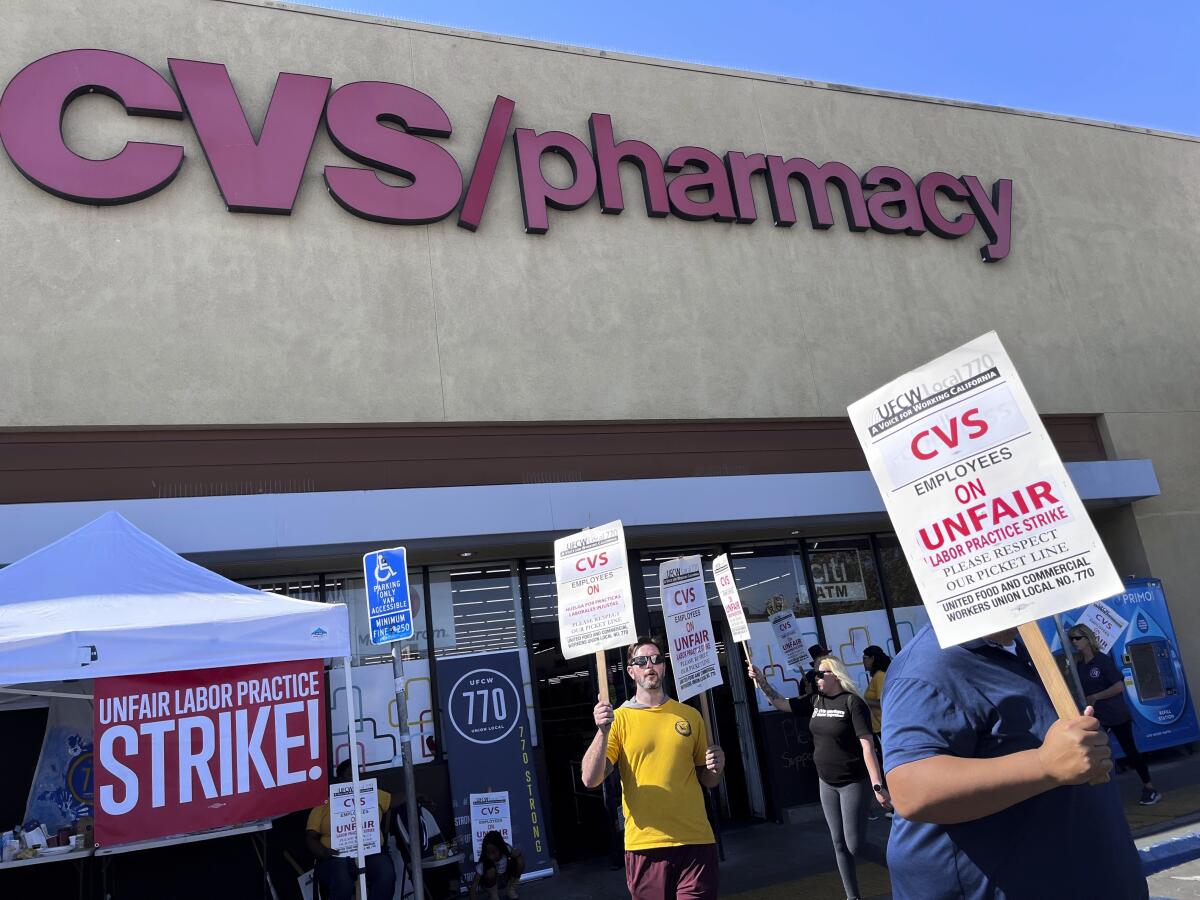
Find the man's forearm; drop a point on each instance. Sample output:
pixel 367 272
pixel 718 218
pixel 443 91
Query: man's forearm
pixel 595 760
pixel 946 790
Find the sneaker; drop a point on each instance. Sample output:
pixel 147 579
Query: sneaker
pixel 1149 797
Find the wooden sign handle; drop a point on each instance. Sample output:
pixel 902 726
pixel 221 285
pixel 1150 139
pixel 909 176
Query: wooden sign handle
pixel 1051 675
pixel 748 650
pixel 602 676
pixel 704 714
pixel 1047 668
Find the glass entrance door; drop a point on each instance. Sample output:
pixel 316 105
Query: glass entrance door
pixel 583 822
pixel 849 599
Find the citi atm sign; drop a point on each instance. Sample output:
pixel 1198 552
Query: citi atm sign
pixel 385 127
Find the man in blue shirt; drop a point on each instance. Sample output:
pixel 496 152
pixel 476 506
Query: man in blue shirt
pixel 991 791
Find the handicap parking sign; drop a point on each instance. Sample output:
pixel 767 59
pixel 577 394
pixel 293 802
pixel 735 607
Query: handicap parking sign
pixel 389 607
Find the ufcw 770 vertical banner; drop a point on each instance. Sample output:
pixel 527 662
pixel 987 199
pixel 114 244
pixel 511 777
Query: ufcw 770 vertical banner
pixel 485 727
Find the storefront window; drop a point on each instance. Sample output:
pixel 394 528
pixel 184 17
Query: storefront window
pixel 375 682
pixel 652 559
pixel 542 592
pixel 907 608
pixel 345 588
pixel 485 606
pixel 849 598
pixel 768 579
pixel 305 587
pixel 348 588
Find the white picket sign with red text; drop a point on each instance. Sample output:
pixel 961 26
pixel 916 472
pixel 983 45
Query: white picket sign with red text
pixel 990 523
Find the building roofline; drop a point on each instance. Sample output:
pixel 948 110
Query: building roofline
pixel 389 22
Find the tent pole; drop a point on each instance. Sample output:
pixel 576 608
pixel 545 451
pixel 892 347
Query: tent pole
pixel 352 721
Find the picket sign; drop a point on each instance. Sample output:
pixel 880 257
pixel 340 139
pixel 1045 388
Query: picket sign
pixel 690 635
pixel 788 634
pixel 739 631
pixel 993 530
pixel 595 602
pixel 1105 623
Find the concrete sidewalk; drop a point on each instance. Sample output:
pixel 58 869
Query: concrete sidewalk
pixel 772 862
pixel 762 862
pixel 1182 880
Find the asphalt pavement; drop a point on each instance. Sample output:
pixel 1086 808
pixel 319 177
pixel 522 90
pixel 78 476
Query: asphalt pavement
pixel 769 861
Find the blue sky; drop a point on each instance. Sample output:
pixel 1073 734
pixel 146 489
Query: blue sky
pixel 1135 62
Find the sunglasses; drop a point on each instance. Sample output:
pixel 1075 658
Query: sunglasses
pixel 640 662
pixel 1078 637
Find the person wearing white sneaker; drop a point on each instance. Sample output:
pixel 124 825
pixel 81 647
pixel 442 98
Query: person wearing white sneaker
pixel 1105 690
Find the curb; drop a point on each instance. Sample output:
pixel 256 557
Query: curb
pixel 1147 831
pixel 1169 854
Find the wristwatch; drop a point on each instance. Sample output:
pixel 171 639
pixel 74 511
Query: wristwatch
pixel 877 788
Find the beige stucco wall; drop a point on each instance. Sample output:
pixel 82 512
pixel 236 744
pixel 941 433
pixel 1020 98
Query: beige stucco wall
pixel 173 311
pixel 1169 525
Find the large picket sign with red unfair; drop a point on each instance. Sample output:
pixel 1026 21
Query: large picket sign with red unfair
pixel 595 603
pixel 991 525
pixel 739 631
pixel 179 752
pixel 693 646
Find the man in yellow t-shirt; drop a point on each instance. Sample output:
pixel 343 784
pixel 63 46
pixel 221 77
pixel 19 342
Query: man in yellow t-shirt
pixel 338 873
pixel 660 748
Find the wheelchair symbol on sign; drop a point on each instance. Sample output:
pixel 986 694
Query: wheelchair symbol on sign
pixel 383 569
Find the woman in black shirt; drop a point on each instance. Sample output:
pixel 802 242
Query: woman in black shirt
pixel 844 756
pixel 1105 691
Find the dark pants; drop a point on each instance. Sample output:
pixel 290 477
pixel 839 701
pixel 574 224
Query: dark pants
pixel 337 877
pixel 845 809
pixel 442 881
pixel 1124 736
pixel 672 873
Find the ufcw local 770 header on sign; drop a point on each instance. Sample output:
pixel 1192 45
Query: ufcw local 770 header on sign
pixel 993 530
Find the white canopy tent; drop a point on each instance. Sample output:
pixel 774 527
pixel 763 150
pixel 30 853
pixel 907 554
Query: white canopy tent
pixel 108 599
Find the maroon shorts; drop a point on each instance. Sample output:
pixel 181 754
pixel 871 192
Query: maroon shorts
pixel 672 873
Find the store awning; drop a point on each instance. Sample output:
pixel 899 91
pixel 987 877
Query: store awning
pixel 312 524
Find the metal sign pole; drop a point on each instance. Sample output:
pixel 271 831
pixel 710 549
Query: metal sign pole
pixel 1069 663
pixel 415 843
pixel 352 718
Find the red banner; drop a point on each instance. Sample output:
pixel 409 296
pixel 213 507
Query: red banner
pixel 180 752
